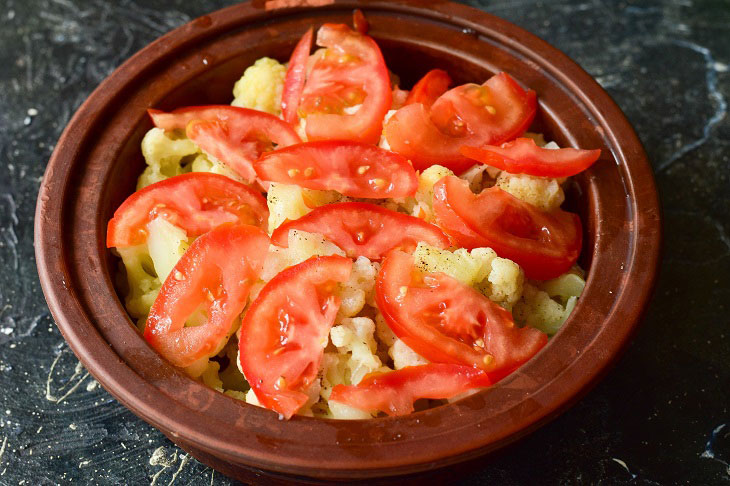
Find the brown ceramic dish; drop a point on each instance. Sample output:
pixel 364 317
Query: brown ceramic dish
pixel 97 161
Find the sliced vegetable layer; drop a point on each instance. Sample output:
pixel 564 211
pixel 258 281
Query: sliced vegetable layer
pixel 351 168
pixel 285 330
pixel 362 229
pixel 523 156
pixel 446 321
pixel 349 72
pixel 544 244
pixel 428 89
pixel 470 114
pixel 235 136
pixel 395 392
pixel 296 76
pixel 214 276
pixel 196 202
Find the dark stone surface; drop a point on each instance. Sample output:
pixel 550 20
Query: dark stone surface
pixel 660 417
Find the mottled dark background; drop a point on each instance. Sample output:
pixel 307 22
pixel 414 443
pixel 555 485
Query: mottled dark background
pixel 660 417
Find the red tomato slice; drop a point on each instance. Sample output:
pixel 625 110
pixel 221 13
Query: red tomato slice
pixel 544 244
pixel 351 168
pixel 233 135
pixel 426 91
pixel 351 72
pixel 362 229
pixel 359 21
pixel 196 202
pixel 446 321
pixel 492 113
pixel 285 329
pixel 295 77
pixel 523 156
pixel 394 392
pixel 215 273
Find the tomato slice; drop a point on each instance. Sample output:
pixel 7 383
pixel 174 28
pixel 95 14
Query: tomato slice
pixel 363 229
pixel 523 156
pixel 394 392
pixel 354 169
pixel 236 136
pixel 351 72
pixel 215 273
pixel 544 244
pixel 196 202
pixel 295 77
pixel 359 21
pixel 430 87
pixel 446 321
pixel 285 330
pixel 492 113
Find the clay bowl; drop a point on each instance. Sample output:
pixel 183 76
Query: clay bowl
pixel 97 161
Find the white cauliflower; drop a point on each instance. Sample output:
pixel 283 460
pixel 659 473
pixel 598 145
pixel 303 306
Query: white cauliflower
pixel 404 356
pixel 359 289
pixel 302 246
pixel 164 155
pixel 289 202
pixel 545 193
pixel 355 337
pixel 261 86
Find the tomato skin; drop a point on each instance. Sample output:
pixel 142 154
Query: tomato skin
pixel 523 156
pixel 364 70
pixel 196 202
pixel 428 89
pixel 285 329
pixel 351 168
pixel 380 229
pixel 295 78
pixel 236 136
pixel 216 272
pixel 394 392
pixel 359 21
pixel 544 244
pixel 446 321
pixel 492 113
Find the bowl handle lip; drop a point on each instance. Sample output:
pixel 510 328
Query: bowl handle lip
pixel 67 309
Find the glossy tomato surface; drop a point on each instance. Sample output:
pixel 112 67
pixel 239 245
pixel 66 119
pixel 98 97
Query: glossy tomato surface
pixel 214 275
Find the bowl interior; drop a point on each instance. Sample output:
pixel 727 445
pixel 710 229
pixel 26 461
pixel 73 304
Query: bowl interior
pixel 98 160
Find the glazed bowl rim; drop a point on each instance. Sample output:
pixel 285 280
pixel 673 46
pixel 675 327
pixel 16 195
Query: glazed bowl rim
pixel 120 380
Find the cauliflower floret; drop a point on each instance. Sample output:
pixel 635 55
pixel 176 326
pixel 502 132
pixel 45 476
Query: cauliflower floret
pixel 547 305
pixel 359 289
pixel 208 163
pixel 334 372
pixel 290 202
pixel 498 278
pixel 164 156
pixel 542 192
pixel 423 206
pixel 166 244
pixel 210 376
pixel 302 246
pixel 355 337
pixel 141 279
pixel 261 86
pixel 404 356
pixel 385 334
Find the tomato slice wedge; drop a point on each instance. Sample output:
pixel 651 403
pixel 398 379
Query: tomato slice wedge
pixel 523 156
pixel 351 72
pixel 429 88
pixel 495 112
pixel 446 321
pixel 359 21
pixel 196 202
pixel 544 244
pixel 354 169
pixel 394 392
pixel 236 136
pixel 285 330
pixel 214 274
pixel 363 229
pixel 296 75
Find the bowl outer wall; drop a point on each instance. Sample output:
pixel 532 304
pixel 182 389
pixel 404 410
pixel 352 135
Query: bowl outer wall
pixel 622 221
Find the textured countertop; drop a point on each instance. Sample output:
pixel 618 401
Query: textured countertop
pixel 660 416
